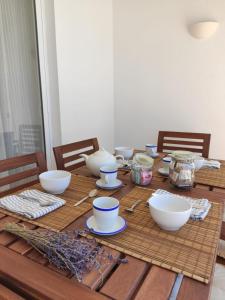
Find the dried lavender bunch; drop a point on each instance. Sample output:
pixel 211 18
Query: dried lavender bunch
pixel 66 250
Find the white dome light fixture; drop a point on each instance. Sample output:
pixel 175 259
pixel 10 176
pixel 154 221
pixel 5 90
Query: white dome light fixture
pixel 204 29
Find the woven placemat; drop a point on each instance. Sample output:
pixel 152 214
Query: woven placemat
pixel 211 177
pixel 190 251
pixel 60 218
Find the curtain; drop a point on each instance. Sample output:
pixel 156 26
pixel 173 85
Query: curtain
pixel 21 122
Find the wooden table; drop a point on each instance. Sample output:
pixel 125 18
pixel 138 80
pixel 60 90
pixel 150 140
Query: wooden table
pixel 24 273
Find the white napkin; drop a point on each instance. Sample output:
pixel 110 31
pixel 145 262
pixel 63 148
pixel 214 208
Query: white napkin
pixel 211 164
pixel 31 208
pixel 200 207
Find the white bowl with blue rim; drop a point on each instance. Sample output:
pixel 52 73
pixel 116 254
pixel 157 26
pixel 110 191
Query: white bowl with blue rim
pixel 106 219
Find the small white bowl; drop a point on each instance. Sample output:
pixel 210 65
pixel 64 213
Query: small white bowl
pixel 56 181
pixel 169 211
pixel 126 152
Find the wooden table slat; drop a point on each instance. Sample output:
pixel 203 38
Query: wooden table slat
pixel 7 238
pixel 125 280
pixel 7 219
pixel 37 257
pixel 21 246
pixel 94 279
pixel 7 294
pixel 40 281
pixel 55 269
pixel 194 290
pixel 157 285
pixel 1 215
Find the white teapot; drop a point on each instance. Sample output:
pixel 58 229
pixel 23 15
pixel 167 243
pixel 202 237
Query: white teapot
pixel 99 159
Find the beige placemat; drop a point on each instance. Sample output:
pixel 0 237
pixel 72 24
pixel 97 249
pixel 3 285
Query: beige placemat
pixel 211 177
pixel 60 218
pixel 190 251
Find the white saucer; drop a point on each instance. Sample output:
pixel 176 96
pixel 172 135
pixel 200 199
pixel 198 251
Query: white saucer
pixel 163 172
pixel 120 226
pixel 155 155
pixel 118 183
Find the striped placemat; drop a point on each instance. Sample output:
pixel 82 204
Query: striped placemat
pixel 190 251
pixel 60 218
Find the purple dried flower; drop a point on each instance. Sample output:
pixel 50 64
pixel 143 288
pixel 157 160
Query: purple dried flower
pixel 66 250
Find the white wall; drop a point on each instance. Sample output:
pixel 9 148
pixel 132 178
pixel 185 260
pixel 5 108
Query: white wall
pixel 164 78
pixel 84 41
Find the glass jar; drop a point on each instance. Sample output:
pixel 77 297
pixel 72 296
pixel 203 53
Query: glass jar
pixel 140 174
pixel 182 170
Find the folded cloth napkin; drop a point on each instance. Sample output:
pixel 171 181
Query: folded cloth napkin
pixel 211 164
pixel 31 208
pixel 200 207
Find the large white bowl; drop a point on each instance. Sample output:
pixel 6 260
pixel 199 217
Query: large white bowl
pixel 169 211
pixel 56 181
pixel 126 152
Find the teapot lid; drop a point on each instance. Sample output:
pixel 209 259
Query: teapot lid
pixel 101 152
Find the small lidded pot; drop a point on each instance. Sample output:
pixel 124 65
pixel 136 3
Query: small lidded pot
pixel 141 169
pixel 182 169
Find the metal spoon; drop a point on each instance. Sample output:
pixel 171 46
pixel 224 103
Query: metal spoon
pixel 91 194
pixel 131 209
pixel 41 202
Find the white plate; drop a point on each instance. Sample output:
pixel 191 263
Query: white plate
pixel 155 155
pixel 163 172
pixel 118 183
pixel 120 226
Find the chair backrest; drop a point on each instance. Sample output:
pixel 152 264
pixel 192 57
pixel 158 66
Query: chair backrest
pixel 21 171
pixel 169 141
pixel 68 156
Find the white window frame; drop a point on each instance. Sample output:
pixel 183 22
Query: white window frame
pixel 51 131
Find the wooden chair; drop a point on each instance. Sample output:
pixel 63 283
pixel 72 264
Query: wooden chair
pixel 169 141
pixel 68 156
pixel 20 171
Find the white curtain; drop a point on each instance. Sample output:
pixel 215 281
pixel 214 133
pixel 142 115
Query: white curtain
pixel 21 124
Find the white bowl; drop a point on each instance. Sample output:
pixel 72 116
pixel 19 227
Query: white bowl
pixel 199 162
pixel 126 152
pixel 56 181
pixel 169 211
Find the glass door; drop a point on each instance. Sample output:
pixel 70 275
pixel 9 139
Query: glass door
pixel 21 118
